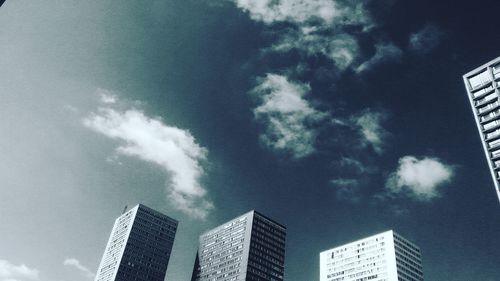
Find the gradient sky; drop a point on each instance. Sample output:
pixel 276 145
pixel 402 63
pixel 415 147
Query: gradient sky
pixel 339 119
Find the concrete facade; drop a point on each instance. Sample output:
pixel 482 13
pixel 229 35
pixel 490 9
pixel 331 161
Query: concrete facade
pixel 382 257
pixel 139 246
pixel 250 247
pixel 482 85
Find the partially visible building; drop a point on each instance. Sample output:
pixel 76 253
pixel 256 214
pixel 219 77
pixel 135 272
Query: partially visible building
pixel 482 86
pixel 382 257
pixel 250 247
pixel 139 246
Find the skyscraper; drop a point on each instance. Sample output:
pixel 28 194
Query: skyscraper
pixel 382 257
pixel 250 247
pixel 139 246
pixel 482 86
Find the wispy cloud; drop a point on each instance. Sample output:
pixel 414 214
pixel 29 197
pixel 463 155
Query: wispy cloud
pixel 287 116
pixel 342 49
pixel 72 262
pixel 369 125
pixel 12 272
pixel 107 96
pixel 383 52
pixel 172 148
pixel 355 166
pixel 419 178
pixel 426 39
pixel 330 28
pixel 347 189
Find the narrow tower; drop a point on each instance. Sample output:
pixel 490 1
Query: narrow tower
pixel 382 257
pixel 482 85
pixel 139 246
pixel 250 247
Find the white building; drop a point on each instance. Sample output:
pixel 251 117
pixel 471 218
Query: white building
pixel 250 247
pixel 482 85
pixel 381 257
pixel 139 246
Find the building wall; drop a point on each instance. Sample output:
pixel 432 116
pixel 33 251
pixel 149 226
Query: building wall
pixel 482 85
pixel 266 261
pixel 116 245
pixel 143 252
pixel 373 258
pixel 408 260
pixel 249 247
pixel 223 251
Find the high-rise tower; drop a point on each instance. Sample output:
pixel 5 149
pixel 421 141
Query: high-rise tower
pixel 139 246
pixel 482 86
pixel 381 257
pixel 250 247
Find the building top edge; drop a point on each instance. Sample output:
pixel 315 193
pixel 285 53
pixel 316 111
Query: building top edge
pixel 249 213
pixel 144 207
pixel 391 232
pixel 270 219
pixel 483 66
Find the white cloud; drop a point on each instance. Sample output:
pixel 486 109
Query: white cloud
pixel 9 271
pixel 319 26
pixel 419 178
pixel 287 115
pixel 72 262
pixel 172 148
pixel 426 39
pixel 270 11
pixel 342 49
pixel 369 126
pixel 322 27
pixel 383 52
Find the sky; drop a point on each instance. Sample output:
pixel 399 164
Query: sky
pixel 339 119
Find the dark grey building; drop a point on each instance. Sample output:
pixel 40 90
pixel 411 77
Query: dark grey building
pixel 250 247
pixel 139 246
pixel 482 85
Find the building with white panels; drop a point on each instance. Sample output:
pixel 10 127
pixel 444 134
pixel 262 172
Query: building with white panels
pixel 482 85
pixel 382 257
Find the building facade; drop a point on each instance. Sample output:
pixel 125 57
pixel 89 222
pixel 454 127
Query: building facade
pixel 482 85
pixel 250 247
pixel 139 246
pixel 382 257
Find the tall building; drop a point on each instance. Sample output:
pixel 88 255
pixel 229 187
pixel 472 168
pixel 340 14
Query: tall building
pixel 250 247
pixel 139 246
pixel 382 257
pixel 482 86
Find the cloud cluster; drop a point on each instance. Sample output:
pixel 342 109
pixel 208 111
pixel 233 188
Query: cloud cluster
pixel 330 28
pixel 369 125
pixel 72 262
pixel 287 116
pixel 300 11
pixel 419 179
pixel 172 148
pixel 11 272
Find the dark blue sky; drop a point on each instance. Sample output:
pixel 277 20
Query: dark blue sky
pixel 339 119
